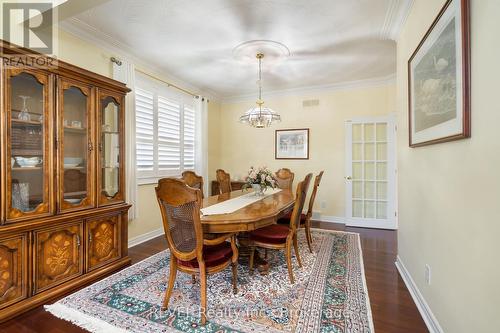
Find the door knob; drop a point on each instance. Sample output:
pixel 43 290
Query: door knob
pixel 348 178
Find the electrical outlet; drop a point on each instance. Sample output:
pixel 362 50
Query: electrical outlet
pixel 323 204
pixel 428 274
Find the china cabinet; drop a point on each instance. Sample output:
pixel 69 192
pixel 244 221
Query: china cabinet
pixel 63 217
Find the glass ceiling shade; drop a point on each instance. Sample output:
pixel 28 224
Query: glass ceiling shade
pixel 260 117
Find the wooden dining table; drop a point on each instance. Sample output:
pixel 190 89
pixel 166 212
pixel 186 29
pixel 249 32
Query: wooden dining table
pixel 256 215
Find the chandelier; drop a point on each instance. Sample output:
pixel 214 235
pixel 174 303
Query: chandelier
pixel 260 116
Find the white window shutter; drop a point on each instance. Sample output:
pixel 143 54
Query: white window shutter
pixel 144 115
pixel 189 137
pixel 169 137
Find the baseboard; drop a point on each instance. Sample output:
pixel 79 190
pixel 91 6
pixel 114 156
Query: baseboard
pixel 325 218
pixel 145 237
pixel 424 309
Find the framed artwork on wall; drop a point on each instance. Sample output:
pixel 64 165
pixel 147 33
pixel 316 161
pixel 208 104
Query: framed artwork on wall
pixel 439 79
pixel 292 144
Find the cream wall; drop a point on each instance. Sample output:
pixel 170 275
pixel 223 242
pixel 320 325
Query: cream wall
pixel 242 146
pixel 448 200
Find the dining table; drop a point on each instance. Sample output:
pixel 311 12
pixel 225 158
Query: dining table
pixel 243 211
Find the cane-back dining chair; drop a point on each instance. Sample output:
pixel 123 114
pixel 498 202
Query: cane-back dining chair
pixel 193 180
pixel 190 252
pixel 280 236
pixel 284 178
pixel 306 219
pixel 224 180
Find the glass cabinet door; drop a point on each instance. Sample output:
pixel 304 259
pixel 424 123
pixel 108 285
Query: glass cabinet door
pixel 29 165
pixel 75 147
pixel 110 149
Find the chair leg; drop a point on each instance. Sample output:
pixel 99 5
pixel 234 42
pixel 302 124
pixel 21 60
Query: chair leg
pixel 296 248
pixel 252 255
pixel 235 277
pixel 288 255
pixel 203 291
pixel 309 238
pixel 193 278
pixel 265 254
pixel 171 281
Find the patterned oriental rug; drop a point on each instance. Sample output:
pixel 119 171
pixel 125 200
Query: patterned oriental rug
pixel 329 295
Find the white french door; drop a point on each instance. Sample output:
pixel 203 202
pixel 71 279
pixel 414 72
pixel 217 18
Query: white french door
pixel 371 172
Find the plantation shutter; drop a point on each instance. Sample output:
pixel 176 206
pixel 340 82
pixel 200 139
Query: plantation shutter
pixel 144 119
pixel 189 137
pixel 169 136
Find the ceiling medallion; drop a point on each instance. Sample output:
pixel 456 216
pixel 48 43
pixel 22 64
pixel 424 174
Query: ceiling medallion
pixel 275 52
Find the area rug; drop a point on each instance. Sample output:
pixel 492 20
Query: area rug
pixel 329 295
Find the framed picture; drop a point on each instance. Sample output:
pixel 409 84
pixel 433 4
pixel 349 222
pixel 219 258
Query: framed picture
pixel 292 144
pixel 439 79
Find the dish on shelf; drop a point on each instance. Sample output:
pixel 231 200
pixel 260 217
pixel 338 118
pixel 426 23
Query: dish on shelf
pixel 73 201
pixel 28 162
pixel 71 162
pixel 71 165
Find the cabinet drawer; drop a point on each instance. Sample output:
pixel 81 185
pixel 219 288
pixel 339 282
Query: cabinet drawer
pixel 58 255
pixel 13 269
pixel 103 240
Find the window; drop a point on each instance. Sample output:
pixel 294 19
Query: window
pixel 165 132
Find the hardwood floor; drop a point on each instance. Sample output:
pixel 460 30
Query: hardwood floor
pixel 392 306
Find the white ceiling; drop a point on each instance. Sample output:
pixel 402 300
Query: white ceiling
pixel 330 41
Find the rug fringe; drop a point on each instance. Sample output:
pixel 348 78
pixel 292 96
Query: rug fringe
pixel 82 320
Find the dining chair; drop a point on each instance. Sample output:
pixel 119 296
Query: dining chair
pixel 284 178
pixel 280 236
pixel 190 251
pixel 306 219
pixel 224 180
pixel 193 180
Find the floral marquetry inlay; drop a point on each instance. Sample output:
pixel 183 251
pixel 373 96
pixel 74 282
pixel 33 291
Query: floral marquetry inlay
pixel 12 271
pixel 103 240
pixel 6 261
pixel 59 256
pixel 58 253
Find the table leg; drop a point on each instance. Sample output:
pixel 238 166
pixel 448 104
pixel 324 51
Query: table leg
pixel 244 254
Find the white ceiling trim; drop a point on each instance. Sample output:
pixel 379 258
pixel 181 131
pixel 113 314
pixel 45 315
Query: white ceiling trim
pixel 368 83
pixel 395 18
pixel 92 35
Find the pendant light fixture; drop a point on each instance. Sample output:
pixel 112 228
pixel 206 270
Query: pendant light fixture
pixel 260 116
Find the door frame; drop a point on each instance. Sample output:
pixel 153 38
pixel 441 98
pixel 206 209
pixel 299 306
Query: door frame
pixel 392 219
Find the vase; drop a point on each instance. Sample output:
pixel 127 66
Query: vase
pixel 259 190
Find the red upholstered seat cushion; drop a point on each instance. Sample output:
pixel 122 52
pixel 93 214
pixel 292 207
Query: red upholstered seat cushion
pixel 213 255
pixel 273 234
pixel 286 219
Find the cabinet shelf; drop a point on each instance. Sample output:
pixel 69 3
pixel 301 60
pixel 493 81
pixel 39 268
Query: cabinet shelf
pixel 37 168
pixel 25 122
pixel 27 152
pixel 75 130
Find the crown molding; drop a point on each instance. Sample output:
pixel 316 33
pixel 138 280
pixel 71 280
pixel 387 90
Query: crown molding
pixel 395 18
pixel 350 85
pixel 86 32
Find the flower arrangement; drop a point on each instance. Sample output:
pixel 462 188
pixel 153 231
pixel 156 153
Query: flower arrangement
pixel 260 179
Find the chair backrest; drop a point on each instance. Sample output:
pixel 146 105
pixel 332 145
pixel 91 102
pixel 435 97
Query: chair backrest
pixel 193 180
pixel 284 178
pixel 224 180
pixel 300 199
pixel 317 180
pixel 180 211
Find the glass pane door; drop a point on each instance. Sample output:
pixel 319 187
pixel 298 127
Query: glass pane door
pixel 370 182
pixel 110 150
pixel 29 180
pixel 76 149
